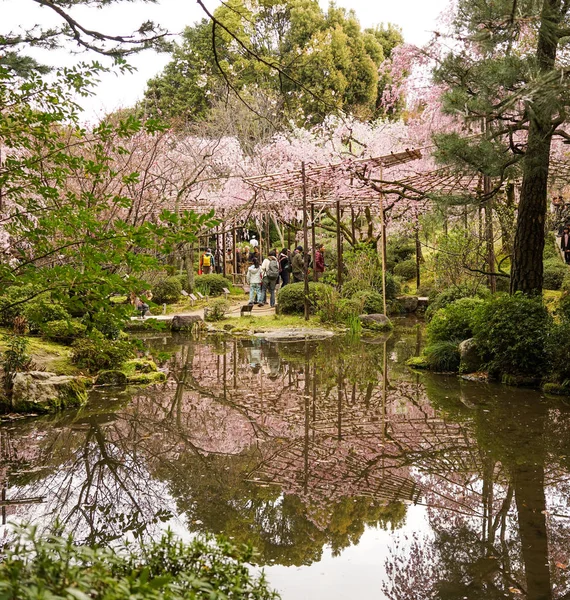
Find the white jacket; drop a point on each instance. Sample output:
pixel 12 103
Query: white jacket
pixel 253 275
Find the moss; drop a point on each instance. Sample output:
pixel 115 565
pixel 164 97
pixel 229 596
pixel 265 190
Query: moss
pixel 139 365
pixel 71 395
pixel 146 378
pixel 111 377
pixel 135 325
pixel 556 388
pixel 418 362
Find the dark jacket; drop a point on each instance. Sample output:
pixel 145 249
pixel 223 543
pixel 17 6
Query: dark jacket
pixel 298 266
pixel 565 243
pixel 319 262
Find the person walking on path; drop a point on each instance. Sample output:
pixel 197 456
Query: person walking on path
pixel 565 244
pixel 298 265
pixel 207 262
pixel 320 261
pixel 270 271
pixel 284 266
pixel 253 279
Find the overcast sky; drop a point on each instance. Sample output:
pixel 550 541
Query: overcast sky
pixel 416 18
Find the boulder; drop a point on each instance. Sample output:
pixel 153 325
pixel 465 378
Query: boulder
pixel 41 392
pixel 375 322
pixel 111 377
pixel 470 362
pixel 186 322
pixel 408 304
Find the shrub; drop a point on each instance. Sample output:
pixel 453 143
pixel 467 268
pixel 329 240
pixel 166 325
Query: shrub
pixel 354 286
pixel 42 310
pixel 554 273
pixel 372 302
pixel 511 332
pixel 10 305
pixel 453 293
pixel 563 310
pixel 64 332
pixel 109 323
pixel 550 247
pixel 453 322
pixel 95 353
pixel 167 291
pixel 211 285
pixel 49 566
pixel 558 352
pixel 442 356
pixel 217 310
pixel 565 287
pixel 406 269
pixel 400 249
pixel 291 298
pixel 350 307
pixel 328 307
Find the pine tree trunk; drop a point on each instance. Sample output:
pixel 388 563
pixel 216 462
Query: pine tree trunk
pixel 527 272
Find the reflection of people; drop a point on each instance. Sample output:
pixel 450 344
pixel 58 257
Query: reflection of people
pixel 298 265
pixel 565 244
pixel 320 261
pixel 253 278
pixel 207 262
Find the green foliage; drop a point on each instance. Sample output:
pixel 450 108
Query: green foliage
pixel 212 284
pixel 372 302
pixel 42 310
pixel 216 310
pixel 550 247
pixel 15 359
pixel 399 249
pixel 511 333
pixel 57 567
pixel 454 322
pixel 95 353
pixel 13 301
pixel 453 293
pixel 406 269
pixel 328 305
pixel 291 298
pixel 563 309
pixel 442 356
pixel 167 291
pixel 328 63
pixel 349 308
pixel 109 323
pixel 558 352
pixel 554 272
pixel 456 251
pixel 64 332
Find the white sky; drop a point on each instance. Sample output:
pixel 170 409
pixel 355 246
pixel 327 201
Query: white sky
pixel 416 18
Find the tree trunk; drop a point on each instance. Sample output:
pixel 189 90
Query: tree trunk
pixel 527 273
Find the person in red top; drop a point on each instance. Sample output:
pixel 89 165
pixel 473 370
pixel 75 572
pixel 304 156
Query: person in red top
pixel 320 261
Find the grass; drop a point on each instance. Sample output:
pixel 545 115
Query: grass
pixel 269 323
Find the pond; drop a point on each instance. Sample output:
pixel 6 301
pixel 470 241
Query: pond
pixel 352 475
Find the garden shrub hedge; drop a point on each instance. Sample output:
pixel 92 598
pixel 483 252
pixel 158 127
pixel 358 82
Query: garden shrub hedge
pixel 406 269
pixel 96 353
pixel 291 298
pixel 212 284
pixel 167 291
pixel 442 356
pixel 554 272
pixel 451 294
pixel 454 322
pixel 64 332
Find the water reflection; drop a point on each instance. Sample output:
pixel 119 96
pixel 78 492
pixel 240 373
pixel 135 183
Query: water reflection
pixel 303 447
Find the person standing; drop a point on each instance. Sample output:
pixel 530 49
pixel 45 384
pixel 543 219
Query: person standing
pixel 270 271
pixel 207 262
pixel 298 265
pixel 565 244
pixel 253 278
pixel 284 266
pixel 320 261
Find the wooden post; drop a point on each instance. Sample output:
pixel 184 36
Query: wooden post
pixel 353 224
pixel 418 253
pixel 305 240
pixel 267 239
pixel 383 249
pixel 338 247
pixel 234 243
pixel 313 241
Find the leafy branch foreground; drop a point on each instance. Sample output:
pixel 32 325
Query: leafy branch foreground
pixel 57 568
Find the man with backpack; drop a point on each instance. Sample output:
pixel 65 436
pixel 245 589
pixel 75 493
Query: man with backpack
pixel 270 270
pixel 207 263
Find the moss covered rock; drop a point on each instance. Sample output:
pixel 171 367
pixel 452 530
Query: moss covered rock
pixel 41 392
pixel 111 377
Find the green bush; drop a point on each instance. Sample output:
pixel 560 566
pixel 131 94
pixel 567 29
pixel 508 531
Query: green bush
pixel 211 285
pixel 453 293
pixel 328 305
pixel 563 309
pixel 109 323
pixel 216 310
pixel 354 286
pixel 372 302
pixel 167 291
pixel 554 272
pixel 95 353
pixel 291 298
pixel 10 302
pixel 406 269
pixel 43 310
pixel 64 332
pixel 399 249
pixel 565 287
pixel 550 247
pixel 511 332
pixel 442 356
pixel 350 307
pixel 453 322
pixel 36 567
pixel 558 352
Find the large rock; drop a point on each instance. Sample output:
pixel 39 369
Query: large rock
pixel 408 304
pixel 111 377
pixel 376 322
pixel 470 362
pixel 186 322
pixel 41 392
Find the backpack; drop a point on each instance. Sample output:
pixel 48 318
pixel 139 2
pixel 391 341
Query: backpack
pixel 207 260
pixel 273 269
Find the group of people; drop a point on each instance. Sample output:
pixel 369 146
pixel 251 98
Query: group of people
pixel 264 277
